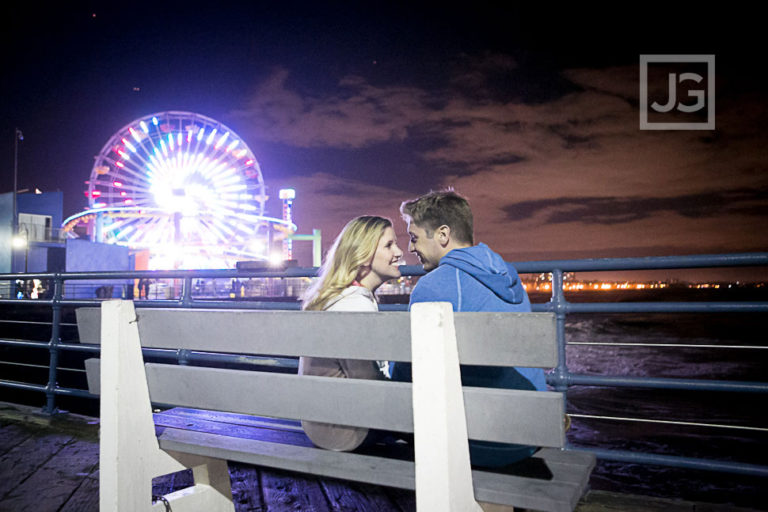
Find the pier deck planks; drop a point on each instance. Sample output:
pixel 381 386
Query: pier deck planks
pixel 288 492
pixel 56 481
pixel 23 460
pixel 12 435
pixel 86 497
pixel 246 490
pixel 51 465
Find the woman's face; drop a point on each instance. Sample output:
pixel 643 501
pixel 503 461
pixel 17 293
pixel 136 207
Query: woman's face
pixel 387 257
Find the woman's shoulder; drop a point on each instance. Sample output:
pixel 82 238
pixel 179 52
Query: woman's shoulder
pixel 354 298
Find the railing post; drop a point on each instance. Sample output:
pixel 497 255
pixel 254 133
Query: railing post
pixel 560 307
pixel 53 345
pixel 186 292
pixel 182 356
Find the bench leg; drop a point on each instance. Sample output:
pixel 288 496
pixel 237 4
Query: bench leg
pixel 211 493
pixel 129 454
pixel 443 473
pixel 215 475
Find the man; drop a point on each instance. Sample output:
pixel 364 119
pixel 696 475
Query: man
pixel 472 278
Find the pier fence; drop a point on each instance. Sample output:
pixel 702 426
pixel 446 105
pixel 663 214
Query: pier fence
pixel 275 287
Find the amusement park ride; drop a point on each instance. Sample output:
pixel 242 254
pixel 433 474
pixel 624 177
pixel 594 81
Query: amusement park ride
pixel 187 190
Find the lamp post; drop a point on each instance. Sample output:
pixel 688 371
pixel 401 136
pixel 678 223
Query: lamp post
pixel 287 195
pixel 17 136
pixel 22 242
pixel 18 242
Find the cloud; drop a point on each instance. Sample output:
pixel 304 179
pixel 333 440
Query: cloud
pixel 357 116
pixel 477 135
pixel 476 76
pixel 615 210
pixel 619 81
pixel 548 177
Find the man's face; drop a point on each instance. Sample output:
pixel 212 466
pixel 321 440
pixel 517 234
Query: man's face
pixel 427 248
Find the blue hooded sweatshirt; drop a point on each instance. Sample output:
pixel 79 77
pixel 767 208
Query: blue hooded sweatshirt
pixel 477 279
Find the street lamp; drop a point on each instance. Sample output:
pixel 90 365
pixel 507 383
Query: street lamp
pixel 17 136
pixel 22 242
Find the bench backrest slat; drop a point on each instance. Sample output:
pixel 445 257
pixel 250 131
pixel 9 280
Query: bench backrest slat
pixel 499 415
pixel 498 339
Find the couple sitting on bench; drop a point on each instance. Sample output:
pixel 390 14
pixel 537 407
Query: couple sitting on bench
pixel 471 277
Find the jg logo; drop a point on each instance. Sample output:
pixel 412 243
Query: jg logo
pixel 687 92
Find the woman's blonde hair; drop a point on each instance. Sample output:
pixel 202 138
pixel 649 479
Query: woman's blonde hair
pixel 352 249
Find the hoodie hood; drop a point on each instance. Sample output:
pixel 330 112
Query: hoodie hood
pixel 490 269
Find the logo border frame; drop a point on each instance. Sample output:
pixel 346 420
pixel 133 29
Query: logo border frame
pixel 645 59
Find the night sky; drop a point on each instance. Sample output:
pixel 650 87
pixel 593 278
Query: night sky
pixel 532 113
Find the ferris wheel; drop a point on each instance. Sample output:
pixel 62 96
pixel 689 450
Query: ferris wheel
pixel 182 185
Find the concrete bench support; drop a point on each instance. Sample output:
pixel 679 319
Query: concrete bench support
pixel 443 472
pixel 129 454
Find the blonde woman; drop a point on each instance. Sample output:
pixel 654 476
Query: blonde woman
pixel 364 256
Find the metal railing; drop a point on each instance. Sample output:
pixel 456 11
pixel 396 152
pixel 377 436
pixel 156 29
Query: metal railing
pixel 124 283
pixel 562 378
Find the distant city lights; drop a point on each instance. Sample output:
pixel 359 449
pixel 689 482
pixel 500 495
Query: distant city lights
pixel 543 283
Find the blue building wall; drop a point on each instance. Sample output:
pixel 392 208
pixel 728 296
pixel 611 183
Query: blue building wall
pixel 6 222
pixel 37 259
pixel 84 255
pixel 47 203
pixel 54 256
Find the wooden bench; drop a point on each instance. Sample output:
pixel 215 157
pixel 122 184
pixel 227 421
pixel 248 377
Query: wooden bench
pixel 433 407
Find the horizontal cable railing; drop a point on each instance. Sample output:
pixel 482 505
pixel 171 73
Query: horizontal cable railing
pixel 667 422
pixel 666 345
pixel 189 289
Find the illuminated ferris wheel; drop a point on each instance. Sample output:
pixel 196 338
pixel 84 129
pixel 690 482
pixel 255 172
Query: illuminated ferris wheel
pixel 182 185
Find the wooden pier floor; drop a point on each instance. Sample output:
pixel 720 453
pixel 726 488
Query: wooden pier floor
pixel 51 464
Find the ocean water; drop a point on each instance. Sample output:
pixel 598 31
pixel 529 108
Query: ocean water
pixel 707 356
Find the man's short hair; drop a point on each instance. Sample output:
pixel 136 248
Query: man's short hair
pixel 444 207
